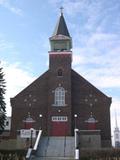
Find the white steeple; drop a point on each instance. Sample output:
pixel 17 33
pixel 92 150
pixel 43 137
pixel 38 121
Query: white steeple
pixel 116 133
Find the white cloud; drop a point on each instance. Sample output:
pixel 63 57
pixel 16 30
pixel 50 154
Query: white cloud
pixel 15 10
pixel 89 9
pixel 78 59
pixel 16 80
pixel 107 81
pixel 98 59
pixel 71 7
pixel 5 45
pixel 10 7
pixel 103 38
pixel 3 1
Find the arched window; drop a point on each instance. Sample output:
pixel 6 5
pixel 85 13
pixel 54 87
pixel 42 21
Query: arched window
pixel 59 72
pixel 60 96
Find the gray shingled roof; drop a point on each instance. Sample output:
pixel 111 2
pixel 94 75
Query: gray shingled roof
pixel 61 27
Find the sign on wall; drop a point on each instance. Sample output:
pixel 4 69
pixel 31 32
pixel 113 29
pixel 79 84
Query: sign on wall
pixel 27 133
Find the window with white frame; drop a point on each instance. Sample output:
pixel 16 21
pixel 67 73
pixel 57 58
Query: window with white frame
pixel 59 118
pixel 60 96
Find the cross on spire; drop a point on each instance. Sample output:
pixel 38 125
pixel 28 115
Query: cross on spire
pixel 61 10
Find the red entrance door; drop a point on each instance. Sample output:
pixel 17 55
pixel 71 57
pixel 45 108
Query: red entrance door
pixel 59 126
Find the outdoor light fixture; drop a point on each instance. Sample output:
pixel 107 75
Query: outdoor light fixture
pixel 40 115
pixel 75 116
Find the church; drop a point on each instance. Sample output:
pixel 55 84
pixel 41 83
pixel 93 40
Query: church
pixel 61 100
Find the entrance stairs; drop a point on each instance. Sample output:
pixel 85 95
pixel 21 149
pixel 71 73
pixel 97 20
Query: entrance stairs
pixel 55 148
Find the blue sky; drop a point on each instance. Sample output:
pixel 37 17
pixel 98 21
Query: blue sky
pixel 25 28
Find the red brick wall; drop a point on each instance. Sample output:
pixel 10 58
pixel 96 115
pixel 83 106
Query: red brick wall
pixel 77 90
pixel 81 89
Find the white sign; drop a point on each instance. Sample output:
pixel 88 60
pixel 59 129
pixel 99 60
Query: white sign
pixel 28 133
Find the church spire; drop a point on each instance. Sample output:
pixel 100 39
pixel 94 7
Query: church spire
pixel 61 27
pixel 61 40
pixel 116 120
pixel 116 133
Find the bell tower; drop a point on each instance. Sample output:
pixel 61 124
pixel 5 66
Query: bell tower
pixel 61 40
pixel 59 103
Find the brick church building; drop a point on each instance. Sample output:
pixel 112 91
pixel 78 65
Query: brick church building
pixel 61 99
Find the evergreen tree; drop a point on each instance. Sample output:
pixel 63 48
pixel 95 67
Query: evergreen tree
pixel 2 101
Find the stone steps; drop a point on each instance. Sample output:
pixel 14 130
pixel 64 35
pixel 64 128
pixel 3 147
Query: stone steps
pixel 53 158
pixel 55 148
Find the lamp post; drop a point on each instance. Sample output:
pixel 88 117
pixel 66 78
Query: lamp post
pixel 75 116
pixel 40 115
pixel 76 138
pixel 31 136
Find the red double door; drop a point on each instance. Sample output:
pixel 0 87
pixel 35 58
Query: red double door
pixel 59 128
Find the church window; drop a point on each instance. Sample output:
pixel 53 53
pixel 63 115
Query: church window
pixel 60 72
pixel 60 96
pixel 59 118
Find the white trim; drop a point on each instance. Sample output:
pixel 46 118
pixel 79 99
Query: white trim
pixel 59 118
pixel 54 105
pixel 60 52
pixel 37 140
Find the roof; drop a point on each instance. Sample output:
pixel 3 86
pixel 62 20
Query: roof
pixel 61 27
pixel 60 37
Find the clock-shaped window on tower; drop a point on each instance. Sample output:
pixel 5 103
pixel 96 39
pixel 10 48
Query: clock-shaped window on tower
pixel 59 99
